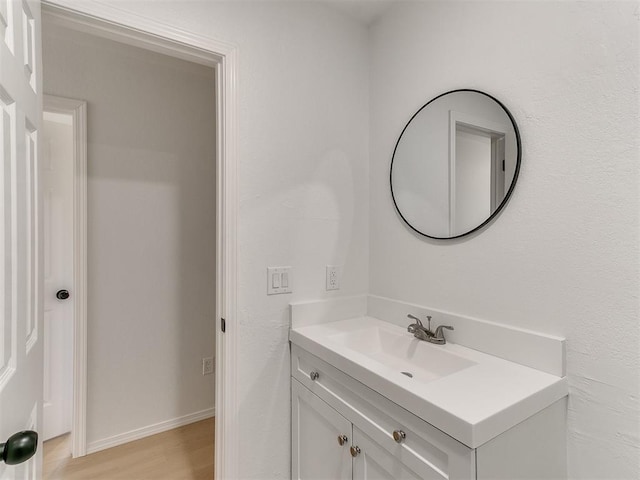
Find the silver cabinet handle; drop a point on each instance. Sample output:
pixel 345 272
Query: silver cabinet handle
pixel 342 439
pixel 314 376
pixel 355 450
pixel 399 436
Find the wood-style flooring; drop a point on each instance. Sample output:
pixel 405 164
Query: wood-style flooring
pixel 185 453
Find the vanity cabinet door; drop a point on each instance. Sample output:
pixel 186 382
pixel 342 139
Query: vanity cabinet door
pixel 315 447
pixel 372 462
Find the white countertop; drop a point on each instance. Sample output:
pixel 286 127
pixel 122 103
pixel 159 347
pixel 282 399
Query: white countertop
pixel 473 405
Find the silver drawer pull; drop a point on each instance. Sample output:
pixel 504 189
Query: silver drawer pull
pixel 399 436
pixel 355 451
pixel 314 376
pixel 342 439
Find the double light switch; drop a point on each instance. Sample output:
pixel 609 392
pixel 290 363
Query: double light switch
pixel 278 280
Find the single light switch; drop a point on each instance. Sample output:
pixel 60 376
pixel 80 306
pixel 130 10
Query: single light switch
pixel 278 280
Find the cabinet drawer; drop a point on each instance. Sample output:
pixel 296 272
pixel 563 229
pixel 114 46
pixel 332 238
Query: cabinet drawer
pixel 426 450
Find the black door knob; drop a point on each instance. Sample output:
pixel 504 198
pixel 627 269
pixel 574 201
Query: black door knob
pixel 19 448
pixel 62 294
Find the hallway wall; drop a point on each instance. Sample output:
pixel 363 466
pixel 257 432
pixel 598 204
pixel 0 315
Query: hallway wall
pixel 151 228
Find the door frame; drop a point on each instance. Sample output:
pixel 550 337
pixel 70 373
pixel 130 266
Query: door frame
pixel 77 109
pixel 111 21
pixel 491 129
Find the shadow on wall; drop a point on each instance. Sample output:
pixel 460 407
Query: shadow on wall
pixel 326 218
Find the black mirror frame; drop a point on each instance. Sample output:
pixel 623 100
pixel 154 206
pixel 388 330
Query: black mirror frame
pixel 511 187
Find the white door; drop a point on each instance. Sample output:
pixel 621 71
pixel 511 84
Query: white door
pixel 57 236
pixel 473 179
pixel 318 450
pixel 20 252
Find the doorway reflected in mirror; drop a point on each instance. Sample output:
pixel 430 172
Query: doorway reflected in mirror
pixel 455 164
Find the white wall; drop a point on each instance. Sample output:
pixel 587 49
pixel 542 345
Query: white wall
pixel 562 257
pixel 303 183
pixel 151 227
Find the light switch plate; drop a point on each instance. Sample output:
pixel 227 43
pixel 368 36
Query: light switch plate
pixel 278 280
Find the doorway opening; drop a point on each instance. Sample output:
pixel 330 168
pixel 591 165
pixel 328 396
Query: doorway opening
pixel 64 191
pixel 151 270
pixel 222 58
pixel 476 170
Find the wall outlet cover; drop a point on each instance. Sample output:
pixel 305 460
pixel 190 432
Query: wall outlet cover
pixel 207 365
pixel 334 273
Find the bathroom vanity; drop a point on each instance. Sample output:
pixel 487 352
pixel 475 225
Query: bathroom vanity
pixel 393 400
pixel 371 401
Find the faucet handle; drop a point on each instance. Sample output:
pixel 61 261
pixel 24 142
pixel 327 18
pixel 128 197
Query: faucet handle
pixel 439 334
pixel 416 319
pixel 429 322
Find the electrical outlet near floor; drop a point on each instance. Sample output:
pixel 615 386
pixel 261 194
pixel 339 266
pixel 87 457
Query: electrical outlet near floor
pixel 207 365
pixel 333 277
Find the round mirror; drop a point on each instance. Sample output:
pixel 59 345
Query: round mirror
pixel 455 164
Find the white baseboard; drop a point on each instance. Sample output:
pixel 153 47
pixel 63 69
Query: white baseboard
pixel 139 433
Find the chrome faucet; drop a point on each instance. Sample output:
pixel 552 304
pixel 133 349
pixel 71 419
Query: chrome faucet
pixel 418 329
pixel 420 332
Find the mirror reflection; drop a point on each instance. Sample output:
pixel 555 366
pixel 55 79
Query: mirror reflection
pixel 455 164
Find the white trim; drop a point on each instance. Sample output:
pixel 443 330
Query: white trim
pixel 141 31
pixel 227 440
pixel 143 432
pixel 487 126
pixel 33 233
pixel 9 369
pixel 32 465
pixel 110 21
pixel 77 109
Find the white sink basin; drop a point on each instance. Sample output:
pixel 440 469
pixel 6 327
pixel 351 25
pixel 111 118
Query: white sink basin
pixel 465 393
pixel 403 352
